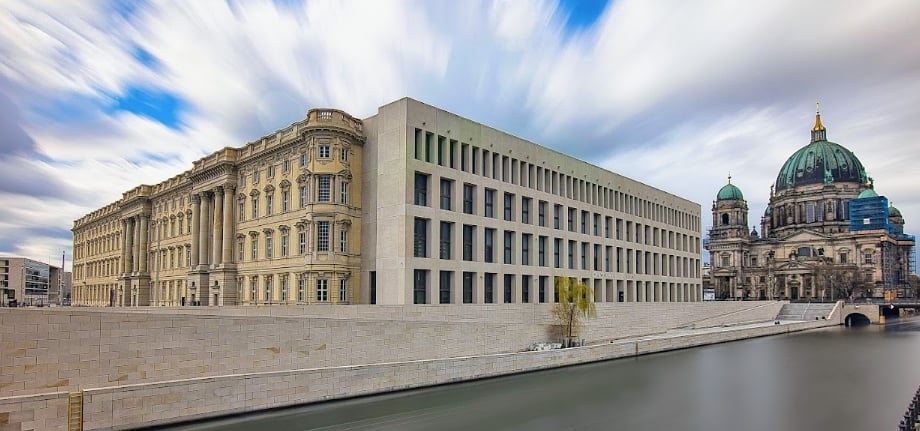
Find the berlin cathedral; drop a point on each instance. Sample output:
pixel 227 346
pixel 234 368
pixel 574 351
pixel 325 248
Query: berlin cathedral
pixel 826 234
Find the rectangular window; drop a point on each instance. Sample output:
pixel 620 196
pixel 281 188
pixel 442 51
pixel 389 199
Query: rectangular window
pixel 420 286
pixel 541 251
pixel 322 290
pixel 343 193
pixel 445 244
pixel 584 222
pixel 344 154
pixel 557 245
pixel 285 200
pixel 343 284
pixel 269 203
pixel 268 246
pixel 287 166
pixel 303 196
pixel 525 210
pixel 241 250
pixel 325 188
pixel 571 219
pixel 271 171
pixel 268 289
pixel 508 288
pixel 557 209
pixel 525 288
pixel 240 211
pixel 421 189
pixel 571 255
pixel 488 202
pixel 343 241
pixel 302 239
pixel 509 243
pixel 468 242
pixel 323 152
pixel 255 177
pixel 584 255
pixel 541 213
pixel 489 287
pixel 301 289
pixel 468 192
pixel 446 192
pixel 303 160
pixel 420 238
pixel 444 286
pixel 255 248
pixel 468 287
pixel 509 204
pixel 525 249
pixel 253 288
pixel 285 239
pixel 489 243
pixel 322 236
pixel 284 288
pixel 255 207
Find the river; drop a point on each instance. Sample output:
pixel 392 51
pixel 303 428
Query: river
pixel 830 379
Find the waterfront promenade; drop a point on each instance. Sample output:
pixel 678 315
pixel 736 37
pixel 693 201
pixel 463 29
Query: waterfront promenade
pixel 156 366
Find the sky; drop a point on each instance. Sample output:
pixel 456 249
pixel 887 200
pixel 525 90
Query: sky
pixel 98 96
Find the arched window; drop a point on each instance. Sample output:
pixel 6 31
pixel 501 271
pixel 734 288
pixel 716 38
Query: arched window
pixel 724 219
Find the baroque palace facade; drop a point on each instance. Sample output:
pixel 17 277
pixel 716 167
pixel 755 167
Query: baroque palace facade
pixel 826 234
pixel 412 205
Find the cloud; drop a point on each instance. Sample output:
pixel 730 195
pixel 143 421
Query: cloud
pixel 675 95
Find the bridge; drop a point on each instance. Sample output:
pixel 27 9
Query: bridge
pixel 876 311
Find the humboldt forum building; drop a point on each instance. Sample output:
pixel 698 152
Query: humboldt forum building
pixel 414 205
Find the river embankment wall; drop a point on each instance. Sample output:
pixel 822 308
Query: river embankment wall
pixel 151 366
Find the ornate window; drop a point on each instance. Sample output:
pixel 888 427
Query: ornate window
pixel 322 290
pixel 343 290
pixel 322 236
pixel 323 152
pixel 325 188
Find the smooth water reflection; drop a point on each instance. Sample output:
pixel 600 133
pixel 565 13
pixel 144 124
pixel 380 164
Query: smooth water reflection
pixel 833 379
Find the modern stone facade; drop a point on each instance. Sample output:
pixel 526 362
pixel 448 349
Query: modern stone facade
pixel 25 282
pixel 825 233
pixel 411 205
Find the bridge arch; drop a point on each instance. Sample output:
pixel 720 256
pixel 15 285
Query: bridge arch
pixel 856 319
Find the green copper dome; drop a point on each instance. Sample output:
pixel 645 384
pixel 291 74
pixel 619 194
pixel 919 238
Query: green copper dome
pixel 820 162
pixel 894 212
pixel 729 192
pixel 867 193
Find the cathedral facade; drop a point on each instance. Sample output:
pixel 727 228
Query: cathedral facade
pixel 826 234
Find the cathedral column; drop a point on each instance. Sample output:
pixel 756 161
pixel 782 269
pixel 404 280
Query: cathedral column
pixel 227 248
pixel 203 230
pixel 144 246
pixel 196 221
pixel 218 223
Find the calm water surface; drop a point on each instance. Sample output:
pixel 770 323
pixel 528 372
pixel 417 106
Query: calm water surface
pixel 832 379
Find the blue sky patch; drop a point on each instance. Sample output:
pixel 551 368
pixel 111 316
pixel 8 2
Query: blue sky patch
pixel 582 14
pixel 152 103
pixel 145 58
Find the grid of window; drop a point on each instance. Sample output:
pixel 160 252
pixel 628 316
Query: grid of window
pixel 322 290
pixel 302 239
pixel 322 236
pixel 420 238
pixel 468 191
pixel 489 201
pixel 446 192
pixel 445 243
pixel 343 193
pixel 303 196
pixel 325 188
pixel 323 152
pixel 421 189
pixel 343 241
pixel 343 290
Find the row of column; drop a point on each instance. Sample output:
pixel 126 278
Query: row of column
pixel 212 227
pixel 135 244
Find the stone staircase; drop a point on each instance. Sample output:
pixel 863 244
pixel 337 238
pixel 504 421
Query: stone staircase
pixel 805 311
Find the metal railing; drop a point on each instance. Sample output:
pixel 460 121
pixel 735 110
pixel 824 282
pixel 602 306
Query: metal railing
pixel 911 420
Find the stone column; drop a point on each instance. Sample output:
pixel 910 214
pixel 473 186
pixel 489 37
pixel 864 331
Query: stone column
pixel 196 216
pixel 144 245
pixel 203 230
pixel 217 251
pixel 227 248
pixel 129 246
pixel 125 246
